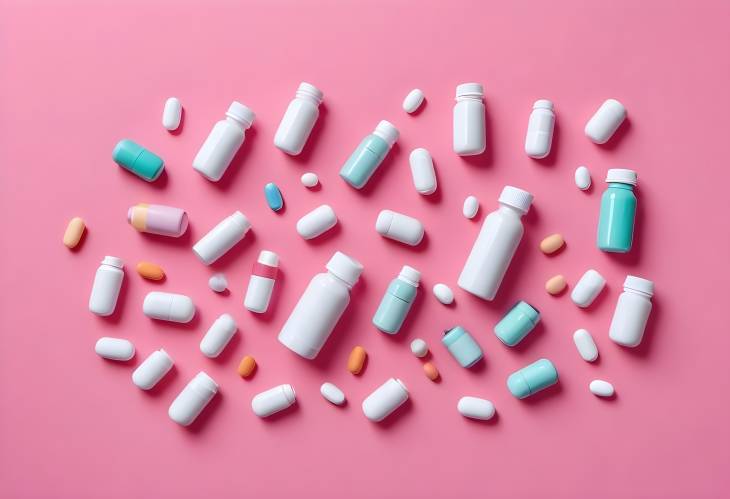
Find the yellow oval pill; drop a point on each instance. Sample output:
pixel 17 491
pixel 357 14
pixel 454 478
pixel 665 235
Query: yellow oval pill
pixel 356 360
pixel 74 231
pixel 431 372
pixel 150 271
pixel 552 243
pixel 246 367
pixel 555 285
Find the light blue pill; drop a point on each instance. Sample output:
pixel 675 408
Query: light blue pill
pixel 273 196
pixel 533 378
pixel 462 346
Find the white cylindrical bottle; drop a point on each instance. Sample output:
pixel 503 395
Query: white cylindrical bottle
pixel 218 336
pixel 222 237
pixel 470 136
pixel 320 307
pixel 107 283
pixel 385 399
pixel 299 119
pixel 192 399
pixel 274 400
pixel 496 243
pixel 540 129
pixel 152 370
pixel 632 312
pixel 223 142
pixel 261 284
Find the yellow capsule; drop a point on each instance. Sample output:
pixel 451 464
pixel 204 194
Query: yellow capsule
pixel 356 360
pixel 74 232
pixel 246 367
pixel 552 243
pixel 555 285
pixel 431 372
pixel 150 271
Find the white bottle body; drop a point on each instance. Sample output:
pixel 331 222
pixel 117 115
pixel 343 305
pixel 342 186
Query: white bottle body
pixel 469 127
pixel 539 133
pixel 105 291
pixel 296 125
pixel 629 318
pixel 258 294
pixel 272 401
pixel 192 399
pixel 384 400
pixel 219 148
pixel 222 238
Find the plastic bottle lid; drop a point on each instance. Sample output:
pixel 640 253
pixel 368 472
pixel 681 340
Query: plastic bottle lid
pixel 638 284
pixel 469 90
pixel 543 104
pixel 310 90
pixel 410 275
pixel 345 268
pixel 622 176
pixel 387 131
pixel 516 198
pixel 241 220
pixel 241 113
pixel 113 261
pixel 269 258
pixel 202 381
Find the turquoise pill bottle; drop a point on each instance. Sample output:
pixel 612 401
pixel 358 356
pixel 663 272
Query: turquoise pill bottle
pixel 462 346
pixel 618 211
pixel 138 160
pixel 517 323
pixel 533 378
pixel 397 301
pixel 363 162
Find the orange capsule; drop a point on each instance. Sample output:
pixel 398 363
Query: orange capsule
pixel 74 232
pixel 150 271
pixel 431 372
pixel 555 285
pixel 246 367
pixel 356 360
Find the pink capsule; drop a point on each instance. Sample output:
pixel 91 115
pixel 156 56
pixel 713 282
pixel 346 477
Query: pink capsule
pixel 158 219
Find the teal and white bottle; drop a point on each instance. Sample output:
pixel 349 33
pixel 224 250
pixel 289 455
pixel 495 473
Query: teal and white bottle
pixel 363 162
pixel 397 301
pixel 618 211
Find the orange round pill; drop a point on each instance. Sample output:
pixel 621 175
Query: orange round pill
pixel 150 271
pixel 356 360
pixel 555 285
pixel 431 372
pixel 246 367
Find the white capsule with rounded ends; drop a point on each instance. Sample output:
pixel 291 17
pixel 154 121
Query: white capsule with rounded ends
pixel 399 227
pixel 218 336
pixel 317 222
pixel 218 282
pixel 168 307
pixel 107 284
pixel 540 129
pixel 419 348
pixel 332 393
pixel 384 400
pixel 299 119
pixel 424 175
pixel 601 388
pixel 443 293
pixel 471 207
pixel 222 238
pixel 152 370
pixel 606 121
pixel 586 346
pixel 582 178
pixel 475 408
pixel 310 180
pixel 172 114
pixel 588 288
pixel 191 401
pixel 272 401
pixel 114 348
pixel 413 101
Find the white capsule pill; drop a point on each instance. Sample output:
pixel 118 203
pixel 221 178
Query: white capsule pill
pixel 424 175
pixel 582 178
pixel 587 288
pixel 419 347
pixel 601 388
pixel 272 401
pixel 332 394
pixel 443 293
pixel 218 336
pixel 413 101
pixel 218 282
pixel 606 121
pixel 399 227
pixel 152 370
pixel 309 179
pixel 586 346
pixel 191 401
pixel 540 129
pixel 168 307
pixel 317 222
pixel 475 408
pixel 114 348
pixel 384 400
pixel 471 207
pixel 171 114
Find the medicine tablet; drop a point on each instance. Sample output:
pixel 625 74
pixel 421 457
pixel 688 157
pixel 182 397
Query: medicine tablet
pixel 274 400
pixel 471 207
pixel 218 336
pixel 422 171
pixel 555 285
pixel 443 293
pixel 582 178
pixel 273 196
pixel 413 101
pixel 332 394
pixel 552 243
pixel 385 400
pixel 310 180
pixel 601 388
pixel 246 366
pixel 172 114
pixel 150 271
pixel 74 232
pixel 419 347
pixel 114 348
pixel 431 372
pixel 168 307
pixel 586 346
pixel 399 227
pixel 606 121
pixel 356 360
pixel 152 370
pixel 218 282
pixel 475 408
pixel 588 288
pixel 317 222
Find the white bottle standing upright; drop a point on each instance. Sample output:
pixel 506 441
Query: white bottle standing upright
pixel 263 278
pixel 320 307
pixel 540 129
pixel 107 283
pixel 299 119
pixel 632 312
pixel 496 243
pixel 470 131
pixel 223 142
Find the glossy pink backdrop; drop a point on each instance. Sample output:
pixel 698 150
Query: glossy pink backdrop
pixel 79 76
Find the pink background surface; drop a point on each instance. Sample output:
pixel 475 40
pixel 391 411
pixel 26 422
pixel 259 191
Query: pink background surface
pixel 78 77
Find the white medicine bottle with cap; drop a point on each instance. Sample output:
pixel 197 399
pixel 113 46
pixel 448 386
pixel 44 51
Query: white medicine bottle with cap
pixel 496 243
pixel 632 312
pixel 107 284
pixel 320 307
pixel 469 120
pixel 299 119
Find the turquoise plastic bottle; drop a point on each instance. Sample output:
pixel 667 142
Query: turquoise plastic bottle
pixel 517 323
pixel 462 346
pixel 618 211
pixel 363 162
pixel 533 378
pixel 397 301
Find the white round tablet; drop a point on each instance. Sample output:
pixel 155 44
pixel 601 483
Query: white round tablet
pixel 309 179
pixel 582 178
pixel 601 388
pixel 413 101
pixel 471 207
pixel 475 408
pixel 218 282
pixel 332 394
pixel 443 293
pixel 419 347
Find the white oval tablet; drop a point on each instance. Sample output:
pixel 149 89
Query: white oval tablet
pixel 419 347
pixel 471 207
pixel 586 346
pixel 171 114
pixel 218 336
pixel 310 180
pixel 443 293
pixel 168 307
pixel 424 175
pixel 475 408
pixel 587 288
pixel 332 394
pixel 399 227
pixel 114 348
pixel 606 121
pixel 601 388
pixel 218 282
pixel 317 222
pixel 413 101
pixel 582 178
pixel 152 370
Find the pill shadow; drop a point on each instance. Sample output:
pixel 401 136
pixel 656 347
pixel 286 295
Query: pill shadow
pixel 608 400
pixel 193 324
pixel 478 368
pixel 552 158
pixel 183 241
pixel 618 137
pixel 387 164
pixel 203 420
pixel 420 109
pixel 290 411
pixel 314 137
pixel 229 350
pixel 279 284
pixel 161 182
pixel 234 253
pixel 419 248
pixel 436 196
pixel 394 418
pixel 327 236
pixel 238 162
pixel 169 378
pixel 551 392
pixel 493 421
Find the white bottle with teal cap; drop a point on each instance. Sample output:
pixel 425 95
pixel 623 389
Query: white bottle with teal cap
pixel 397 301
pixel 363 162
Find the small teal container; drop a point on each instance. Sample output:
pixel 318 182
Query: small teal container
pixel 363 162
pixel 533 378
pixel 462 346
pixel 397 301
pixel 618 212
pixel 138 160
pixel 519 321
pixel 273 196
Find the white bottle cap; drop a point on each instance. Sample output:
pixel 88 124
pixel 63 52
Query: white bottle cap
pixel 203 382
pixel 410 275
pixel 269 258
pixel 311 90
pixel 622 176
pixel 345 268
pixel 543 104
pixel 241 113
pixel 387 131
pixel 638 284
pixel 516 198
pixel 113 261
pixel 469 90
pixel 241 220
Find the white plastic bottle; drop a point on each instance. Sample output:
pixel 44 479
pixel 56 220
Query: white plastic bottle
pixel 469 120
pixel 222 238
pixel 320 307
pixel 191 401
pixel 632 312
pixel 299 119
pixel 540 129
pixel 223 142
pixel 261 284
pixel 496 243
pixel 107 283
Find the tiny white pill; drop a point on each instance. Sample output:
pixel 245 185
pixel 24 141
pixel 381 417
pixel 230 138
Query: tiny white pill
pixel 114 348
pixel 218 282
pixel 422 171
pixel 582 178
pixel 309 179
pixel 413 101
pixel 171 114
pixel 588 288
pixel 475 408
pixel 586 346
pixel 317 222
pixel 471 207
pixel 601 388
pixel 443 293
pixel 419 347
pixel 332 394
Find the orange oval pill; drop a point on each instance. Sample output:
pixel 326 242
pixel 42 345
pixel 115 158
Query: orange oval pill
pixel 356 360
pixel 150 271
pixel 431 372
pixel 74 231
pixel 552 243
pixel 555 285
pixel 246 367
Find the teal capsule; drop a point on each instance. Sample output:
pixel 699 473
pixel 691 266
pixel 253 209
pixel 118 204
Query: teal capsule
pixel 517 323
pixel 533 378
pixel 397 301
pixel 138 160
pixel 273 196
pixel 618 212
pixel 363 162
pixel 462 346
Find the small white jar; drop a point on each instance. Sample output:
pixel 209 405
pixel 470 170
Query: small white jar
pixel 632 312
pixel 469 120
pixel 299 119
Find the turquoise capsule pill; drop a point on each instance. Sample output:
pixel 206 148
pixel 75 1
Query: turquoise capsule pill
pixel 273 196
pixel 533 378
pixel 138 160
pixel 462 346
pixel 519 321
